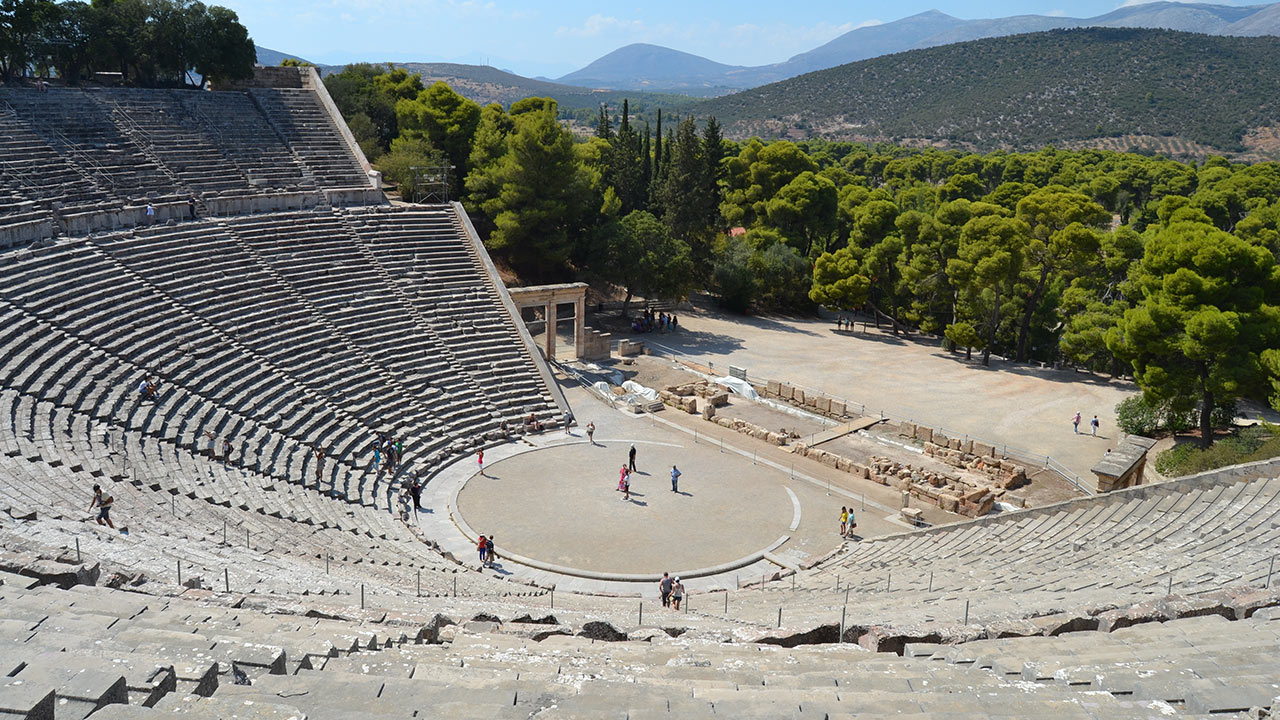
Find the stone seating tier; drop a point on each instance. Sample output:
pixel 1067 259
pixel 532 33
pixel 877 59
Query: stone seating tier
pixel 118 655
pixel 90 159
pixel 281 333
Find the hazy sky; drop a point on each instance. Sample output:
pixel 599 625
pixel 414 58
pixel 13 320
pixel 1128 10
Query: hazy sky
pixel 553 38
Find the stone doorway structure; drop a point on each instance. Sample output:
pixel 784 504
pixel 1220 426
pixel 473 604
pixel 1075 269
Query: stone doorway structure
pixel 551 301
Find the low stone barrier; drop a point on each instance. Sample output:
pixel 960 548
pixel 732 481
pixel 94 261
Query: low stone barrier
pixel 805 399
pixel 755 431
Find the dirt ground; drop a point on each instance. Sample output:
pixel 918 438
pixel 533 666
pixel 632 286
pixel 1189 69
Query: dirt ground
pixel 1044 486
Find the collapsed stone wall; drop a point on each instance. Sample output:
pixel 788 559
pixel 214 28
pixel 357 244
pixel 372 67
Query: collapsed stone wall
pixel 950 492
pixel 702 398
pixel 966 454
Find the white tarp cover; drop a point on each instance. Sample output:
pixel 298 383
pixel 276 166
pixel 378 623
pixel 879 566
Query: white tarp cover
pixel 602 387
pixel 741 387
pixel 614 376
pixel 639 390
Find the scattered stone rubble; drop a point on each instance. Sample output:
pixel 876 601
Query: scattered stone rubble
pixel 960 494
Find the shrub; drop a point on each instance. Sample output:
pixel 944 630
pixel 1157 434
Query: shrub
pixel 1251 444
pixel 1136 416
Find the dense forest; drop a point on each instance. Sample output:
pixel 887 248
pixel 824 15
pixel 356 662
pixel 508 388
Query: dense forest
pixel 152 43
pixel 1026 91
pixel 1119 263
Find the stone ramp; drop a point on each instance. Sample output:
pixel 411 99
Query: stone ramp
pixel 839 431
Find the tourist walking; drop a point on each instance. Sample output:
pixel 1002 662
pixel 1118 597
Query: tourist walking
pixel 489 554
pixel 664 590
pixel 850 524
pixel 1093 426
pixel 677 593
pixel 226 450
pixel 151 214
pixel 319 465
pixel 591 433
pixel 415 491
pixel 844 521
pixel 191 206
pixel 631 458
pixel 480 460
pixel 482 547
pixel 103 503
pixel 675 479
pixel 1075 422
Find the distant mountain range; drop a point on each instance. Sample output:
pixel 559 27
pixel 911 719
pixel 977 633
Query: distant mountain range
pixel 652 67
pixel 1170 92
pixel 267 56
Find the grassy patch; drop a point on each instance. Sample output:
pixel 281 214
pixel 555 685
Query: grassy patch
pixel 1249 445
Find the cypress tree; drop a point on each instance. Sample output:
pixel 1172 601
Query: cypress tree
pixel 712 157
pixel 625 172
pixel 646 160
pixel 657 146
pixel 604 129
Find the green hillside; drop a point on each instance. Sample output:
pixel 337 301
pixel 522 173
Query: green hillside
pixel 485 85
pixel 1029 90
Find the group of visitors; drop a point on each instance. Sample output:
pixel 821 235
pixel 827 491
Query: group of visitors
pixel 532 424
pixel 485 547
pixel 1093 424
pixel 847 523
pixel 671 591
pixel 651 322
pixel 624 483
pixel 226 447
pixel 387 452
pixel 844 322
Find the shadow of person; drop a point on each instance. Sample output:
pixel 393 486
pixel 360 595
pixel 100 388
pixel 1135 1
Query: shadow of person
pixel 641 472
pixel 641 503
pixel 635 494
pixel 685 493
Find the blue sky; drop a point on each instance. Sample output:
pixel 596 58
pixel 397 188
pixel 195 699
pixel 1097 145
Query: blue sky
pixel 553 38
